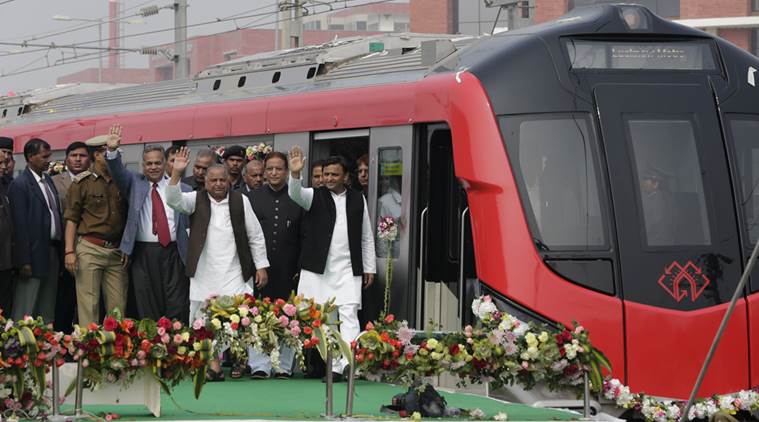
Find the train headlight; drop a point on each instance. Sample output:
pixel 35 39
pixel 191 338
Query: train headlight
pixel 635 18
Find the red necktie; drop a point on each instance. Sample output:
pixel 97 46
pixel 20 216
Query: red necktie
pixel 160 223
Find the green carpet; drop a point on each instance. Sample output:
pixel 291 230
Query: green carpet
pixel 299 399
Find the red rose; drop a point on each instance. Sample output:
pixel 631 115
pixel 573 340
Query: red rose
pixel 316 323
pixel 353 345
pixel 389 319
pixel 370 356
pixel 234 325
pixel 454 349
pixel 307 331
pixel 37 331
pixel 92 326
pixel 396 353
pixel 165 323
pixel 307 344
pixel 110 323
pixel 409 356
pixel 359 358
pixel 314 341
pixel 280 303
pixel 369 326
pixel 386 363
pixel 127 324
pixel 423 345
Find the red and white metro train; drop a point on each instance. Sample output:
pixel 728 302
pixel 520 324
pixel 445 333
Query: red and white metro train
pixel 601 168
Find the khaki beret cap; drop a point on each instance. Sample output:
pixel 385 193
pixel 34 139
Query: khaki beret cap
pixel 97 141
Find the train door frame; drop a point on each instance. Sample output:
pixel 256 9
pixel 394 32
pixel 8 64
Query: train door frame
pixel 382 141
pixel 451 280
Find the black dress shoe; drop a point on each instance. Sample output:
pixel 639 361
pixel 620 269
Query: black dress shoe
pixel 283 376
pixel 259 375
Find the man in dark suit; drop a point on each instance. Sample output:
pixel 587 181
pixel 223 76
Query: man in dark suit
pixel 155 236
pixel 77 161
pixel 6 242
pixel 36 208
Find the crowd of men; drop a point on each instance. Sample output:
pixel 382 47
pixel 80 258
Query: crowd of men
pixel 83 242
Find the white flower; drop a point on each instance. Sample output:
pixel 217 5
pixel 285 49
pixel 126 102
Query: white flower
pixel 477 414
pixel 726 403
pixel 501 416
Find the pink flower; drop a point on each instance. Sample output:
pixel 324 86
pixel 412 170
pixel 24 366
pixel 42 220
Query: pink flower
pixel 161 331
pixel 294 323
pixel 165 339
pixel 290 310
pixel 85 363
pixel 284 321
pixel 177 325
pixel 245 321
pixel 140 354
pixel 405 335
pixel 295 331
pixel 178 338
pixel 134 362
pixel 198 324
pixel 254 311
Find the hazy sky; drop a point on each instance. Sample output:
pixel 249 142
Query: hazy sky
pixel 22 19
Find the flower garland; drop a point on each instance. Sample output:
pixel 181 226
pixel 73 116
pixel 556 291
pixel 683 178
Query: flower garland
pixel 56 167
pixel 257 152
pixel 652 409
pixel 387 231
pixel 241 322
pixel 501 350
pixel 29 348
pixel 121 347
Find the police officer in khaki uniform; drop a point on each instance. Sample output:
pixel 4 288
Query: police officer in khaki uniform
pixel 96 213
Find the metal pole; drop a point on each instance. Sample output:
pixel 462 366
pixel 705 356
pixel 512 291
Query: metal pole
pixel 723 325
pixel 276 25
pixel 328 411
pixel 181 68
pixel 79 387
pixel 56 391
pixel 586 395
pixel 284 18
pixel 296 30
pixel 100 54
pixel 510 19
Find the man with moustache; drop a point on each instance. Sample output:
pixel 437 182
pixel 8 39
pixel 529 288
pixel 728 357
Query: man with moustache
pixel 155 237
pixel 6 145
pixel 204 159
pixel 77 161
pixel 95 219
pixel 253 174
pixel 337 250
pixel 234 159
pixel 316 174
pixel 280 219
pixel 36 208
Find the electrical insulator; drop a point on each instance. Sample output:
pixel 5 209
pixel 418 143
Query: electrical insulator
pixel 149 11
pixel 150 51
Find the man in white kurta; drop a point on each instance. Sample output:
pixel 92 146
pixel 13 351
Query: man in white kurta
pixel 338 280
pixel 218 269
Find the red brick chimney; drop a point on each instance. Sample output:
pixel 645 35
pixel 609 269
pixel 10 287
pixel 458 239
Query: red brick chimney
pixel 434 16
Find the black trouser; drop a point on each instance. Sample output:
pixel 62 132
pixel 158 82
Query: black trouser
pixel 65 304
pixel 6 292
pixel 160 285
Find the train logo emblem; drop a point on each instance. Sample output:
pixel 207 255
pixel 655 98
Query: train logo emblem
pixel 678 280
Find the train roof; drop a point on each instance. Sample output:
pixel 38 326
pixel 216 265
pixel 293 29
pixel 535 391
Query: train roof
pixel 341 63
pixel 529 62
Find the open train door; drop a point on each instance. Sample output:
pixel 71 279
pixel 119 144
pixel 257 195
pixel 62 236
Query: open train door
pixel 677 232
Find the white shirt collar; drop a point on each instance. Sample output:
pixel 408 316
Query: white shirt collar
pixel 213 201
pixel 36 176
pixel 345 191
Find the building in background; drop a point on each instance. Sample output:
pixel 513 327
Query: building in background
pixel 735 20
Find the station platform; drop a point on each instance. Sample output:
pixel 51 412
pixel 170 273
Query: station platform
pixel 302 399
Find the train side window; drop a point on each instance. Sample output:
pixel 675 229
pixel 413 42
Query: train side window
pixel 389 193
pixel 746 151
pixel 553 161
pixel 671 190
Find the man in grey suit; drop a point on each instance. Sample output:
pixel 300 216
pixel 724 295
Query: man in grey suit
pixel 77 161
pixel 155 236
pixel 35 207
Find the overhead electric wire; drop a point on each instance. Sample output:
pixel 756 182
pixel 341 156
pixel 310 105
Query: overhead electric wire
pixel 6 2
pixel 79 26
pixel 74 60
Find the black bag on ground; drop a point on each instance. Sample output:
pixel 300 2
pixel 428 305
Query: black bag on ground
pixel 425 400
